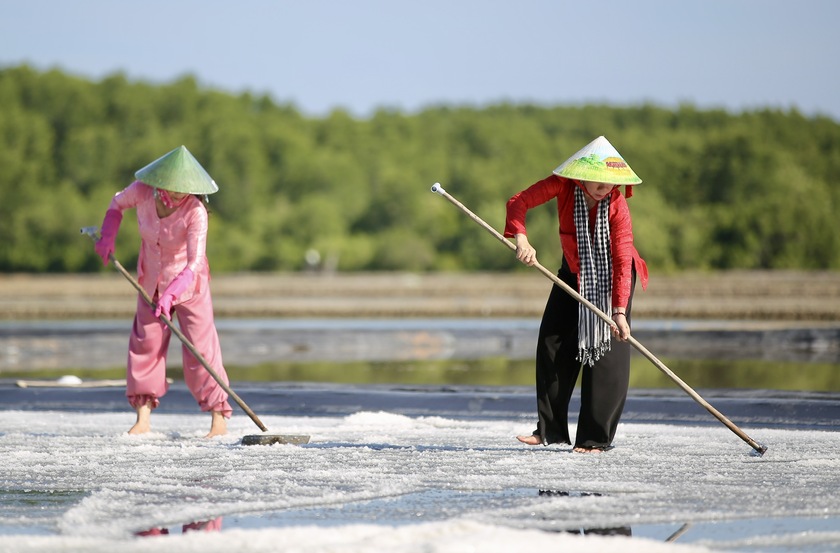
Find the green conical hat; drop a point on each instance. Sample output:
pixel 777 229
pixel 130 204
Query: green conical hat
pixel 178 171
pixel 598 161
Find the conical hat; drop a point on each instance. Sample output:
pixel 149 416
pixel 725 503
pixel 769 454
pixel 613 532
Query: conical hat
pixel 598 161
pixel 178 171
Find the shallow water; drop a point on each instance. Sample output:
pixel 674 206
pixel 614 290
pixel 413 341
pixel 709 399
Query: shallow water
pixel 708 354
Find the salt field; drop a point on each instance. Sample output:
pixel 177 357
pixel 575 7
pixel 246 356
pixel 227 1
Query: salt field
pixel 397 468
pixel 413 460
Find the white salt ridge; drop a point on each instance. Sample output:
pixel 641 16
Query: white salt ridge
pixel 90 487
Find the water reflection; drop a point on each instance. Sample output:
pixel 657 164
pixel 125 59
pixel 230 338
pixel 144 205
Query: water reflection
pixel 496 371
pixel 558 493
pixel 618 531
pixel 605 531
pixel 680 531
pixel 212 525
pixel 699 373
pixel 599 531
pixel 712 354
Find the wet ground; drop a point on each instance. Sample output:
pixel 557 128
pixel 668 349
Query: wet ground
pixel 766 408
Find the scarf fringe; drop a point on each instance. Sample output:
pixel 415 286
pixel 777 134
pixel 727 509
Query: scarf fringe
pixel 590 355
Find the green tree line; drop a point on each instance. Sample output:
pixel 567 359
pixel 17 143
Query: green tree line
pixel 753 190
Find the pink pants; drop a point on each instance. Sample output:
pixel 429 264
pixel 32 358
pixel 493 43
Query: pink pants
pixel 148 346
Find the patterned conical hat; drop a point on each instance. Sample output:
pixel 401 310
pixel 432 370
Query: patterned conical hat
pixel 178 171
pixel 598 161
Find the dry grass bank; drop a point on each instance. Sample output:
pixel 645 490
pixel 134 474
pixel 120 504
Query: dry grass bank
pixel 776 295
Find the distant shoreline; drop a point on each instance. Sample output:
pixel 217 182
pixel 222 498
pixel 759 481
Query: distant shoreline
pixel 738 295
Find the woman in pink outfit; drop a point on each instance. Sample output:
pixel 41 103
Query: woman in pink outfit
pixel 173 270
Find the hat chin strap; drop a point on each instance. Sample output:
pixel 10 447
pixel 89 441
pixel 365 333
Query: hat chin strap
pixel 167 199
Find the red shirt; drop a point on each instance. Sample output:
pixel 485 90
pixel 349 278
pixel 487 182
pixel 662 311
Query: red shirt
pixel 624 254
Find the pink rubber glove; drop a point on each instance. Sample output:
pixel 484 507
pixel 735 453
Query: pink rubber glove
pixel 175 289
pixel 110 226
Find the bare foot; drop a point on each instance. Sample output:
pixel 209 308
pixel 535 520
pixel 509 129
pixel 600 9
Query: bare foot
pixel 531 439
pixel 588 450
pixel 144 419
pixel 218 426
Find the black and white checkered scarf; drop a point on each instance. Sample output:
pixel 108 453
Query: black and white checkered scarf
pixel 595 279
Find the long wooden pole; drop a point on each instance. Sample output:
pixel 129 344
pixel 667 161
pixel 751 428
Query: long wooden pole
pixel 759 448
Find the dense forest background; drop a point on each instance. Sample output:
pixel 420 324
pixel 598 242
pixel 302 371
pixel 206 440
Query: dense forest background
pixel 754 190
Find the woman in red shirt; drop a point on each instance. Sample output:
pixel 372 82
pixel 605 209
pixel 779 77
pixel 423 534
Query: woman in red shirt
pixel 601 263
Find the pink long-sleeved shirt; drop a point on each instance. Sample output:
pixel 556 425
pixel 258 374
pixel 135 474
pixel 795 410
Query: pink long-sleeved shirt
pixel 168 245
pixel 624 254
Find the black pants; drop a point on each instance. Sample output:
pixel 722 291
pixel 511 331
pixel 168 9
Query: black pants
pixel 603 385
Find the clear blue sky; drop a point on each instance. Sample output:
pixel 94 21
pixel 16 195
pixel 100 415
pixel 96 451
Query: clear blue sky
pixel 363 54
